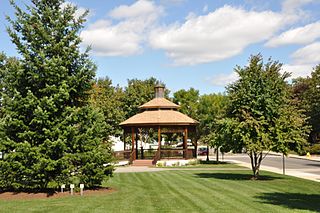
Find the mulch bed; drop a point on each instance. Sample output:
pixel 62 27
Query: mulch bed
pixel 29 195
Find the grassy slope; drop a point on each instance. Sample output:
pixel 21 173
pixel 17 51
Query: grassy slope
pixel 187 191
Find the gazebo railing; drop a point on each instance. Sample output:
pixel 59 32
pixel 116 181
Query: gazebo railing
pixel 154 154
pixel 171 153
pixel 177 153
pixel 122 155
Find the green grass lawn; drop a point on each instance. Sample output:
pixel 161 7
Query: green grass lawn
pixel 187 191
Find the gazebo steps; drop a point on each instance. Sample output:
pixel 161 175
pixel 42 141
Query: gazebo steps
pixel 142 163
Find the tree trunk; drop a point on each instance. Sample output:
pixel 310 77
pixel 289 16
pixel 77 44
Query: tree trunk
pixel 256 158
pixel 217 154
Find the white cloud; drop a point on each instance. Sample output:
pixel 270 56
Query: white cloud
pixel 142 8
pixel 308 54
pixel 80 10
pixel 216 36
pixel 304 59
pixel 298 70
pixel 108 40
pixel 299 35
pixel 126 37
pixel 223 79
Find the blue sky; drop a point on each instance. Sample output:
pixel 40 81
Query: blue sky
pixel 187 43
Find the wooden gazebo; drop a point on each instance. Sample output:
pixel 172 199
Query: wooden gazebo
pixel 162 116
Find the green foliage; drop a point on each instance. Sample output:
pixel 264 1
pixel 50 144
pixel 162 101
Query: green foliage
pixel 51 135
pixel 306 92
pixel 261 116
pixel 137 93
pixel 109 100
pixel 211 108
pixel 312 149
pixel 188 101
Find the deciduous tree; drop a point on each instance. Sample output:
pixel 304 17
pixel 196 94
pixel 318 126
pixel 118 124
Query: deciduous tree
pixel 261 116
pixel 109 100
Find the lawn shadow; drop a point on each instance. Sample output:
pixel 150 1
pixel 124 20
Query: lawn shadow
pixel 48 192
pixel 234 176
pixel 300 201
pixel 213 162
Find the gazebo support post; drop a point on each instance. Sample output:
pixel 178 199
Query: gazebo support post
pixel 133 157
pixel 185 138
pixel 137 147
pixel 124 140
pixel 159 141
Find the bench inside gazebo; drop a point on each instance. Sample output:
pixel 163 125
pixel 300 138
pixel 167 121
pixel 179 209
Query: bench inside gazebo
pixel 163 117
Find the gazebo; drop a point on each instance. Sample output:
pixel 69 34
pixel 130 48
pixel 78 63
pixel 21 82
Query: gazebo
pixel 163 117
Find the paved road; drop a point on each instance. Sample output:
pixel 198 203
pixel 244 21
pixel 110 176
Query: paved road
pixel 292 165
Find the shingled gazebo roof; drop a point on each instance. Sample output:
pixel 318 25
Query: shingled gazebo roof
pixel 160 103
pixel 159 117
pixel 159 112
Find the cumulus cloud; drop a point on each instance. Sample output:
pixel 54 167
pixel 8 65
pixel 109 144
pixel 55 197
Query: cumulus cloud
pixel 215 36
pixel 127 35
pixel 142 8
pixel 303 60
pixel 298 70
pixel 218 35
pixel 299 35
pixel 80 10
pixel 223 79
pixel 308 54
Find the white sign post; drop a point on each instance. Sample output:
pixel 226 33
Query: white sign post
pixel 81 189
pixel 71 188
pixel 63 186
pixel 1 155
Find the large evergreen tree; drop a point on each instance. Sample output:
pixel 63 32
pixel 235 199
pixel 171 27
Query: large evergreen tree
pixel 260 115
pixel 51 133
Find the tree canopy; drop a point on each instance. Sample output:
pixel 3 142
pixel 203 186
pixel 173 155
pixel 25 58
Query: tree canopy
pixel 51 134
pixel 260 115
pixel 110 100
pixel 306 92
pixel 138 92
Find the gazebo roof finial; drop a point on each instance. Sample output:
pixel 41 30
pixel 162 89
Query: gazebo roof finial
pixel 159 90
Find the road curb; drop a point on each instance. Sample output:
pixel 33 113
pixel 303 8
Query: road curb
pixel 297 157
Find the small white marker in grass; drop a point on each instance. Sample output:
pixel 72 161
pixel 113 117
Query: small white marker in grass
pixel 81 188
pixel 71 187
